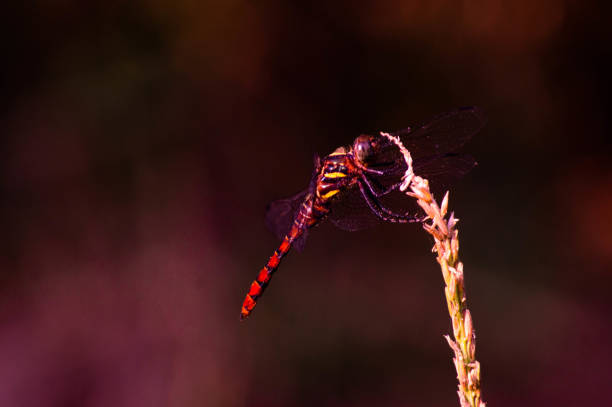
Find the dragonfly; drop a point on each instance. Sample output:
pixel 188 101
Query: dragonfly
pixel 349 186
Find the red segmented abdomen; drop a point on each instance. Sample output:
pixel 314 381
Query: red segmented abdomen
pixel 308 216
pixel 263 278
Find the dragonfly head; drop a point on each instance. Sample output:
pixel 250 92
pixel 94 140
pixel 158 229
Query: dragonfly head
pixel 363 147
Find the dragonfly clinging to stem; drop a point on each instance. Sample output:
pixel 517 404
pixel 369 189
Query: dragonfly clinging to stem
pixel 347 186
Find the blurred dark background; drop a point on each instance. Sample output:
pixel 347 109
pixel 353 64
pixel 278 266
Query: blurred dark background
pixel 142 141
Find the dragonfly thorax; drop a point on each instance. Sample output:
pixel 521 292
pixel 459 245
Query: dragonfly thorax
pixel 337 171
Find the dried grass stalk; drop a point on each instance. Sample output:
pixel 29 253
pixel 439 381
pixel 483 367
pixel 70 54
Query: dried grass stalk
pixel 445 234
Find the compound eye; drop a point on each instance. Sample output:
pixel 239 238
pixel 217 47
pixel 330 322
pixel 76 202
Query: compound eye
pixel 362 148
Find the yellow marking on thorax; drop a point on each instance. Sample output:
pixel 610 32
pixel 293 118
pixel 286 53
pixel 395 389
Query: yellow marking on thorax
pixel 330 193
pixel 334 174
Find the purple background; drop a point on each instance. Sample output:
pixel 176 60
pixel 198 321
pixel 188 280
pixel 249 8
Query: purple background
pixel 141 143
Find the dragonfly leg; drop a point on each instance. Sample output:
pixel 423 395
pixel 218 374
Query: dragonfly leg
pixel 371 171
pixel 383 213
pixel 369 183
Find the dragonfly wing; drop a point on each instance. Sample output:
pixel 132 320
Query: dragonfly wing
pixel 444 170
pixel 350 211
pixel 444 133
pixel 280 214
pixel 299 243
pixel 431 147
pixel 441 170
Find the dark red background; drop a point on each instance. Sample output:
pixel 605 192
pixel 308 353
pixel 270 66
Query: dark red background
pixel 141 143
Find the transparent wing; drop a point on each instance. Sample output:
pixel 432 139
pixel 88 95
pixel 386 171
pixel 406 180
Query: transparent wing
pixel 432 147
pixel 351 212
pixel 445 170
pixel 280 215
pixel 444 133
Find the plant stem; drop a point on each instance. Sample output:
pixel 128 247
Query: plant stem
pixel 445 234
